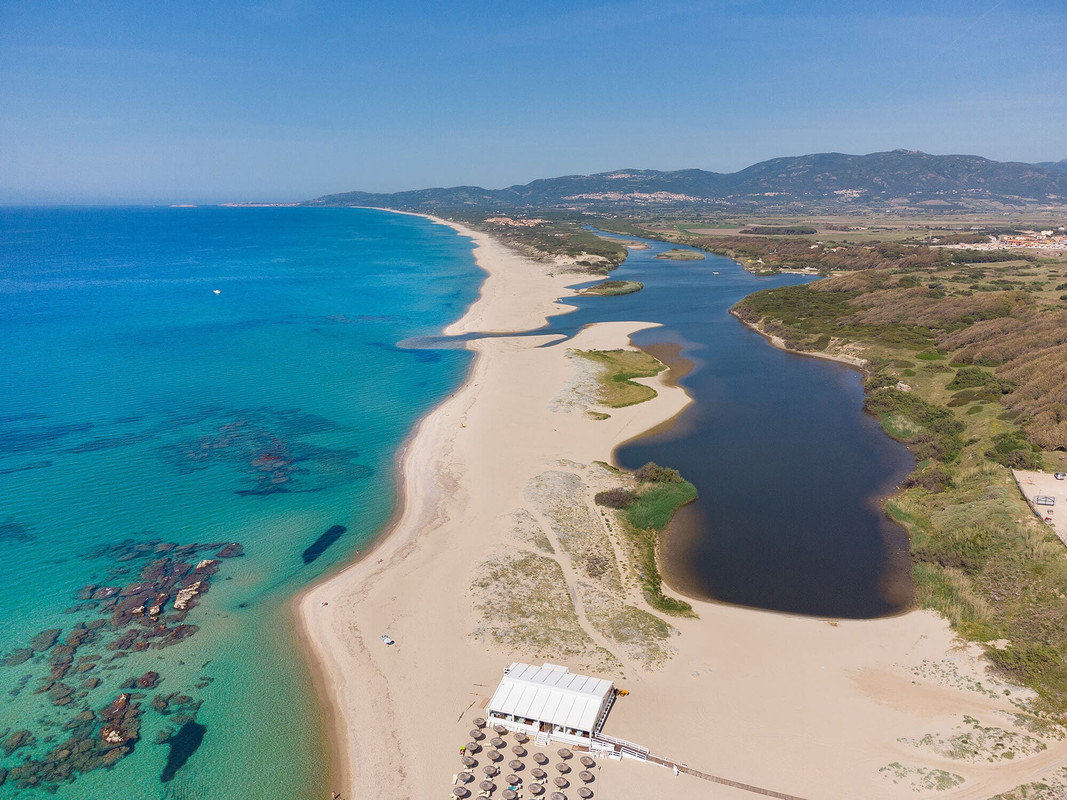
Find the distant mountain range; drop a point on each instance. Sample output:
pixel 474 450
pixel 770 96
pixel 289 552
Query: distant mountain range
pixel 901 180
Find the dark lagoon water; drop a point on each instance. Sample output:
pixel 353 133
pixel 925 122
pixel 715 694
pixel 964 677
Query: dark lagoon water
pixel 788 467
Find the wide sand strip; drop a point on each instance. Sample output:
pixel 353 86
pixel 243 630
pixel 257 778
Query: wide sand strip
pixel 489 562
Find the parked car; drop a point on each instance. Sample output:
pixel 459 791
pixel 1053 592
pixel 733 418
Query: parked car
pixel 1060 476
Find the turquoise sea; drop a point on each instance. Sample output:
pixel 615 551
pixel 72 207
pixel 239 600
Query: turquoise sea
pixel 174 381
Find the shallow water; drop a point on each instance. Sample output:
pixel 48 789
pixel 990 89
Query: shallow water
pixel 139 405
pixel 788 467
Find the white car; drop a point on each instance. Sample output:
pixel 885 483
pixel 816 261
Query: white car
pixel 1060 476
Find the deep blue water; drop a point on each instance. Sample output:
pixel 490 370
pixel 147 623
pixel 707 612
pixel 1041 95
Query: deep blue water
pixel 788 467
pixel 141 410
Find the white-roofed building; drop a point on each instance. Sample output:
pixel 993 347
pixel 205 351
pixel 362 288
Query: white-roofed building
pixel 551 701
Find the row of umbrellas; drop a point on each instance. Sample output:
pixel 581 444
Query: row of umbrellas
pixel 497 743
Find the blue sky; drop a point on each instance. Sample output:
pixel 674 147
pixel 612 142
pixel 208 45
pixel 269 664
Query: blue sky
pixel 279 100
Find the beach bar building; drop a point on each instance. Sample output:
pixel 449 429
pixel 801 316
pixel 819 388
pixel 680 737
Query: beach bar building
pixel 551 703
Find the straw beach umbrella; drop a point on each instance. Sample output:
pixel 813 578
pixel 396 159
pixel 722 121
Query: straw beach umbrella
pixel 500 730
pixel 473 747
pixel 539 773
pixel 510 794
pixel 465 777
pixel 515 764
pixel 519 750
pixel 521 738
pixel 493 755
pixel 561 767
pixel 586 776
pixel 477 734
pixel 468 761
pixel 540 758
pixel 564 753
pixel 487 786
pixel 585 793
pixel 558 796
pixel 587 762
pixel 460 791
pixel 479 722
pixel 536 789
pixel 496 742
pixel 513 780
pixel 490 770
pixel 561 782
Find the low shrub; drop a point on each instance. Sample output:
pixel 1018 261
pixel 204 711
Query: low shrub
pixel 654 473
pixel 1012 450
pixel 933 479
pixel 615 498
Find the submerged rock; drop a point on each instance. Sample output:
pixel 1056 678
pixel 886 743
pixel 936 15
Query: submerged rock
pixel 16 740
pixel 45 639
pixel 20 656
pixel 231 550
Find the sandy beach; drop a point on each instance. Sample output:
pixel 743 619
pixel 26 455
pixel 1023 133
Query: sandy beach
pixel 487 563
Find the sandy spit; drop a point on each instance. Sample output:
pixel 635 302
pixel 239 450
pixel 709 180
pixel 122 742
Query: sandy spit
pixel 808 707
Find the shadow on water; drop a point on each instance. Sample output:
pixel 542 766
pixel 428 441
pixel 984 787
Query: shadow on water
pixel 318 547
pixel 183 744
pixel 788 467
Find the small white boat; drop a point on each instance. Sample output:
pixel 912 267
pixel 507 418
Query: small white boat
pixel 217 291
pixel 715 273
pixel 387 640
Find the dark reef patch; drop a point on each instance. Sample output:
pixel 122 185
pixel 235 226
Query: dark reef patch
pixel 147 609
pixel 17 440
pixel 318 547
pixel 265 447
pixel 11 530
pixel 26 467
pixel 110 443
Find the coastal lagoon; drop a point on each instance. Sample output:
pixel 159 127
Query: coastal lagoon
pixel 175 381
pixel 788 467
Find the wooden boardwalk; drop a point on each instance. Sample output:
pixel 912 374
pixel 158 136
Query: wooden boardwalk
pixel 630 750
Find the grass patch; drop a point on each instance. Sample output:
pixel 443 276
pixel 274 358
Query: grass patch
pixel 677 254
pixel 614 288
pixel 656 503
pixel 616 387
pixel 646 517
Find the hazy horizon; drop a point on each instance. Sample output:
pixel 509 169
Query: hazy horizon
pixel 280 102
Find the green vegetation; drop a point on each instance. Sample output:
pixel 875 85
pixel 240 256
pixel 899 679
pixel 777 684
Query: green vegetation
pixel 777 230
pixel 677 254
pixel 614 288
pixel 549 235
pixel 939 353
pixel 618 369
pixel 644 513
pixel 932 431
pixel 655 504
